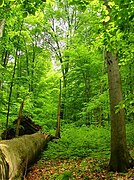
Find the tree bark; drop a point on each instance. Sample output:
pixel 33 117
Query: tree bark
pixel 19 153
pixel 120 159
pixel 10 92
pixel 102 90
pixel 57 135
pixel 33 66
pixel 2 23
pixel 19 119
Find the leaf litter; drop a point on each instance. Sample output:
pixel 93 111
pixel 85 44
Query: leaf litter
pixel 75 169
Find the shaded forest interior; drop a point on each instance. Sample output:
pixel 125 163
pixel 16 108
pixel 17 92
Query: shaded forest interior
pixel 67 69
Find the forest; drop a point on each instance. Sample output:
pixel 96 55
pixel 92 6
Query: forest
pixel 67 85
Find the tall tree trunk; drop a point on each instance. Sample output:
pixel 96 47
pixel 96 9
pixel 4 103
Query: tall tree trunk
pixel 10 93
pixel 27 63
pixel 58 115
pixel 33 66
pixel 86 93
pixel 4 61
pixel 5 58
pixel 12 81
pixel 102 89
pixel 120 159
pixel 18 73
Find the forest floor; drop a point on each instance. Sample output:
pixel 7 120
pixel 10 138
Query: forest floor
pixel 75 169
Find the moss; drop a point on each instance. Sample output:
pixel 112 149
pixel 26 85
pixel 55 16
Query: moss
pixel 21 152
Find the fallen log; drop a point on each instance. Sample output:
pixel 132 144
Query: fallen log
pixel 17 154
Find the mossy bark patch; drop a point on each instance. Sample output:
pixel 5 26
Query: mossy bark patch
pixel 20 152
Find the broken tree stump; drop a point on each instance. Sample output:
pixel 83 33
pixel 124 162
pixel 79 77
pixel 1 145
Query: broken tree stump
pixel 27 126
pixel 17 154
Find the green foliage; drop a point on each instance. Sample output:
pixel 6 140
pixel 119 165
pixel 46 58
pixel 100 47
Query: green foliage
pixel 1 3
pixel 84 142
pixel 79 142
pixel 47 49
pixel 65 176
pixel 66 39
pixel 130 133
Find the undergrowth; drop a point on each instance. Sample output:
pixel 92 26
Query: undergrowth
pixel 84 142
pixel 80 142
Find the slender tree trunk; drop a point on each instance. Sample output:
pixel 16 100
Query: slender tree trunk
pixel 102 89
pixel 87 94
pixel 32 71
pixel 12 82
pixel 64 67
pixel 5 58
pixel 18 73
pixel 2 24
pixel 58 115
pixel 1 84
pixel 120 159
pixel 10 93
pixel 27 63
pixel 4 61
pixel 63 107
pixel 19 119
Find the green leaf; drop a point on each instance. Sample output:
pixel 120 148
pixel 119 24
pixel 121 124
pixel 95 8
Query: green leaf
pixel 107 18
pixel 1 3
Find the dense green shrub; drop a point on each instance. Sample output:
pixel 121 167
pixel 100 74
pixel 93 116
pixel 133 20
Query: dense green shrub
pixel 130 133
pixel 79 142
pixel 84 141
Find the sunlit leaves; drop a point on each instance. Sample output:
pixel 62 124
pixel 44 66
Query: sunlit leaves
pixel 77 26
pixel 107 18
pixel 50 1
pixel 111 4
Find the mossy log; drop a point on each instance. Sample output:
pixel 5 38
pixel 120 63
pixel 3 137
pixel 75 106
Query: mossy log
pixel 19 153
